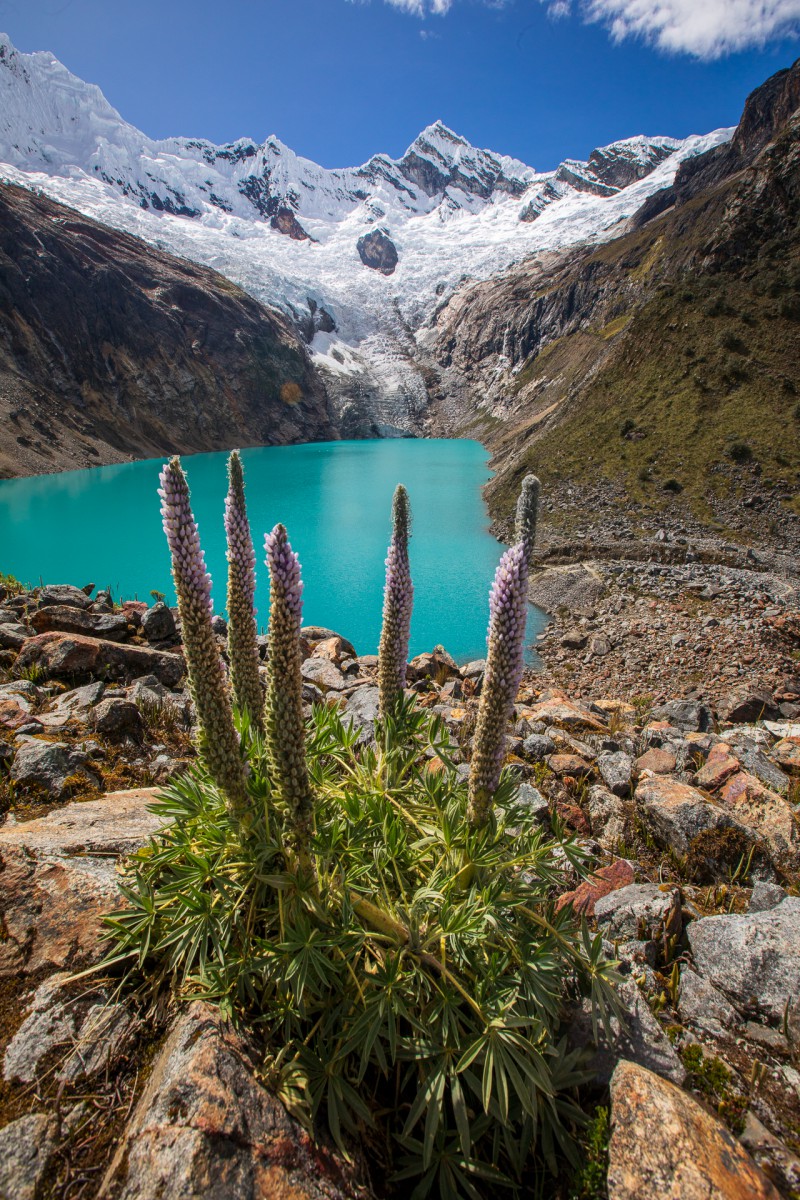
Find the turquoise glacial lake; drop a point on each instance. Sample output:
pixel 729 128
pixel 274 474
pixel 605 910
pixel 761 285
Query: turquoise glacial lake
pixel 103 525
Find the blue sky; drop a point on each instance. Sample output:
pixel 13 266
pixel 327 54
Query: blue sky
pixel 339 80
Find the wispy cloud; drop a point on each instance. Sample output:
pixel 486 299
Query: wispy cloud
pixel 704 28
pixel 422 8
pixel 436 8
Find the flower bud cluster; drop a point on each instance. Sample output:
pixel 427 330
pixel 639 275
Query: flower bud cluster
pixel 527 512
pixel 219 744
pixel 398 600
pixel 508 609
pixel 242 644
pixel 285 727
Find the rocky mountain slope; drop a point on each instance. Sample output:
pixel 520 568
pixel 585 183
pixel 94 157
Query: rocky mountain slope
pixel 652 381
pixel 359 258
pixel 111 349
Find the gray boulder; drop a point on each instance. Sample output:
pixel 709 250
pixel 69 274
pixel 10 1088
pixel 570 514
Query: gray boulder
pixel 12 637
pixel 765 896
pixel 537 747
pixel 686 715
pixel 158 623
pixel 74 705
pixel 681 818
pixel 531 798
pixel 616 771
pixel 756 762
pixel 641 1040
pixel 753 958
pixel 362 710
pixel 608 817
pixel 323 674
pixel 117 717
pixel 63 593
pixel 50 767
pixel 701 1005
pixel 640 910
pixel 27 1147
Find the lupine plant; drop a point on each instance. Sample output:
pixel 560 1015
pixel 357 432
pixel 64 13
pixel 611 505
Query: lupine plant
pixel 219 742
pixel 508 608
pixel 242 644
pixel 398 600
pixel 405 1005
pixel 286 749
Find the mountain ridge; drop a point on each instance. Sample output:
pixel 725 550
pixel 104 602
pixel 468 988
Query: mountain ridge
pixel 652 381
pixel 287 231
pixel 110 350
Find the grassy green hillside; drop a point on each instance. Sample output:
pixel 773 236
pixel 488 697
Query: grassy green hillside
pixel 699 396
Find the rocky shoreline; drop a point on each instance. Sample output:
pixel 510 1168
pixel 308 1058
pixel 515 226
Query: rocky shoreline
pixel 683 791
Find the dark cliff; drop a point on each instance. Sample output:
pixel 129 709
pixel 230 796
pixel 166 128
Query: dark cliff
pixel 659 372
pixel 111 349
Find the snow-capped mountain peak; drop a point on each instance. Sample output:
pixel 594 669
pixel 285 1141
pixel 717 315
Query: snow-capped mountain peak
pixel 359 256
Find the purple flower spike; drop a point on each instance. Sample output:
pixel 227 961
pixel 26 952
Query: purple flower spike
pixel 188 560
pixel 242 644
pixel 218 743
pixel 508 606
pixel 285 728
pixel 398 601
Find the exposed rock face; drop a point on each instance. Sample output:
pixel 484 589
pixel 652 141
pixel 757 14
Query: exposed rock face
pixel 440 158
pixel 110 348
pixel 641 1039
pixel 378 251
pixel 753 959
pixel 58 879
pixel 73 656
pixel 287 223
pixel 663 1144
pixel 27 1147
pixel 204 1128
pixel 540 350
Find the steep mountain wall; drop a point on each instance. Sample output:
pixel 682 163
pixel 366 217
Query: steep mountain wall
pixel 654 379
pixel 110 349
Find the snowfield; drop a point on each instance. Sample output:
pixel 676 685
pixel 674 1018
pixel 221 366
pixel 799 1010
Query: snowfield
pixel 453 212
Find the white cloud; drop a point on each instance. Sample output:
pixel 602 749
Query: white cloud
pixel 421 8
pixel 704 28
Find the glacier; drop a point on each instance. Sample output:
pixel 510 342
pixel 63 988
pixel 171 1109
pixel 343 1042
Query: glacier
pixel 287 230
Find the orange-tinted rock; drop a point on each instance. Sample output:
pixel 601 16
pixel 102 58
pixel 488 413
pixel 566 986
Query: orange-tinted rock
pixel 565 713
pixel 618 874
pixel 14 713
pixel 719 766
pixel 660 762
pixel 59 878
pixel 569 764
pixel 70 655
pixel 664 1146
pixel 333 649
pixel 767 814
pixel 573 817
pixel 786 754
pixel 205 1126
